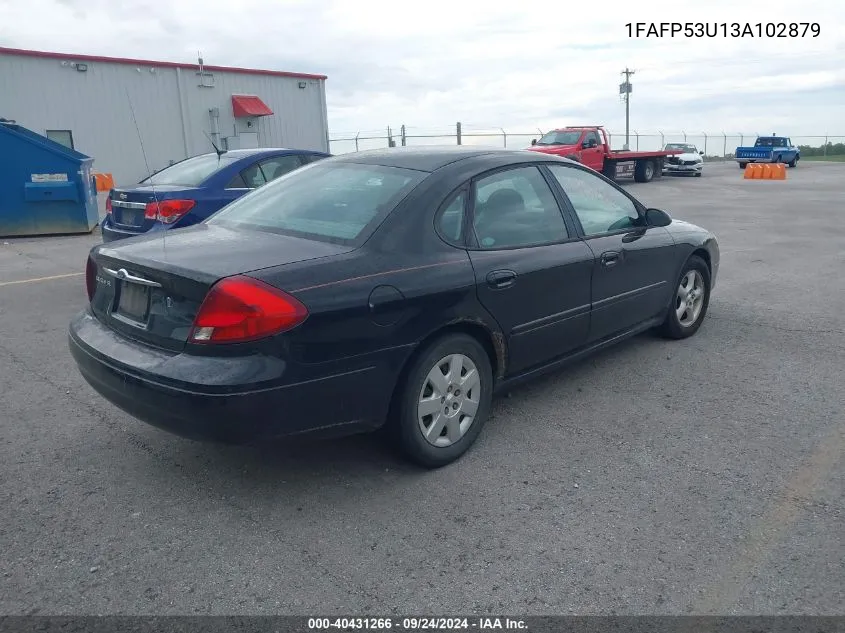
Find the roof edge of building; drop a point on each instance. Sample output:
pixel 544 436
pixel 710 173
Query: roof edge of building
pixel 148 62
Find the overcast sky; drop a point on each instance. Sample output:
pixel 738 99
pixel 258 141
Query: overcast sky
pixel 517 65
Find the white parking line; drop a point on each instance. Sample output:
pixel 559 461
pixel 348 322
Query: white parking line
pixel 29 281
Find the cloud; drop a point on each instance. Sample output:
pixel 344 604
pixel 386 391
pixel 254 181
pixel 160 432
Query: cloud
pixel 521 66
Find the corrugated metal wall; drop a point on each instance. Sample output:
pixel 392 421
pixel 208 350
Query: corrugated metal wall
pixel 43 93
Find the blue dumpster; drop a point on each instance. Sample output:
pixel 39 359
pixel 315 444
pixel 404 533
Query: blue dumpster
pixel 45 187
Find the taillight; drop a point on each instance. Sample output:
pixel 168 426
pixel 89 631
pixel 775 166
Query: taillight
pixel 91 278
pixel 168 211
pixel 239 309
pixel 108 205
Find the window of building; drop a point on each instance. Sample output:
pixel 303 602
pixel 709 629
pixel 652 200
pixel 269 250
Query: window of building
pixel 63 137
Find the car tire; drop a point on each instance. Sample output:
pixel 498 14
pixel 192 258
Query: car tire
pixel 742 165
pixel 682 324
pixel 793 162
pixel 453 351
pixel 644 171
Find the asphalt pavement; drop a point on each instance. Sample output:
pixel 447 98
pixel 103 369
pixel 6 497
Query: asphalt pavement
pixel 700 476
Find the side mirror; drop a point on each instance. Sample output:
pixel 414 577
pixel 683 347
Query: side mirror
pixel 656 217
pixel 533 141
pixel 701 153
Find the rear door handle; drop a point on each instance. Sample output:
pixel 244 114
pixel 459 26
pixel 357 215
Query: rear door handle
pixel 501 278
pixel 610 258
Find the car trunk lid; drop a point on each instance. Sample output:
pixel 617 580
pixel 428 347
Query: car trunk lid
pixel 150 288
pixel 128 205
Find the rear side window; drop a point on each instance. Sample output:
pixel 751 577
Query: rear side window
pixel 191 172
pixel 338 203
pixel 279 166
pixel 237 182
pixel 516 208
pixel 253 176
pixel 450 220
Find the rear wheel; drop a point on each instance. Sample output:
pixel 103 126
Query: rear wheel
pixel 689 302
pixel 644 171
pixel 444 401
pixel 742 165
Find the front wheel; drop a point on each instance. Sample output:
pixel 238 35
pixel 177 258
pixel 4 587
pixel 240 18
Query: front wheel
pixel 742 165
pixel 444 401
pixel 689 301
pixel 794 161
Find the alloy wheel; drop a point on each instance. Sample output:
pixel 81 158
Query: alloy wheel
pixel 690 298
pixel 448 400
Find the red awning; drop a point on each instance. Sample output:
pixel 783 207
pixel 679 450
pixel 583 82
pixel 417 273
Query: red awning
pixel 249 105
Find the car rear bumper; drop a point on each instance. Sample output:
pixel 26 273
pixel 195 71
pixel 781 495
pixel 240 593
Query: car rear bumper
pixel 234 400
pixel 112 233
pixel 754 160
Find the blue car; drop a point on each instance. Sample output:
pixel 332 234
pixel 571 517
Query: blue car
pixel 191 190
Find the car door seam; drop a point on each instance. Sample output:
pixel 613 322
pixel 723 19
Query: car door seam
pixel 552 319
pixel 602 303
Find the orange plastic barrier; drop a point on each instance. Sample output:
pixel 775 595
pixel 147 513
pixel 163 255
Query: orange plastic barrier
pixel 105 182
pixel 765 171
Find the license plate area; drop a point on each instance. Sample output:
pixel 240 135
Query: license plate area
pixel 132 303
pixel 130 214
pixel 130 217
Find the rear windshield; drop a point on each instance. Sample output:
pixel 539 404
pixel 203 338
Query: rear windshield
pixel 331 202
pixel 190 173
pixel 770 142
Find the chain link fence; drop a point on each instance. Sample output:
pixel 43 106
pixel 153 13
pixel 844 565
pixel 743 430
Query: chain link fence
pixel 715 145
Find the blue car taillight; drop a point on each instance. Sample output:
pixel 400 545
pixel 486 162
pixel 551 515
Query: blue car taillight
pixel 168 211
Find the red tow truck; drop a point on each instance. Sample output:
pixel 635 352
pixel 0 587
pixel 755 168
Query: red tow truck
pixel 590 145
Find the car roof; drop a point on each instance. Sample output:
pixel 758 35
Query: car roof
pixel 432 157
pixel 259 151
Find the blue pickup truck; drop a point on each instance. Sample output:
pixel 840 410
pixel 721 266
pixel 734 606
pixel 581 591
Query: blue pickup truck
pixel 768 149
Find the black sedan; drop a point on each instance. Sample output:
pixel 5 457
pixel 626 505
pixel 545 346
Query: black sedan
pixel 395 288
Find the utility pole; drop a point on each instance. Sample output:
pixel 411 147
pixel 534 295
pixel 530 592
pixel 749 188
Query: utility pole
pixel 625 91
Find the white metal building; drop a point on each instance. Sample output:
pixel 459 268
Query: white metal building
pixel 93 103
